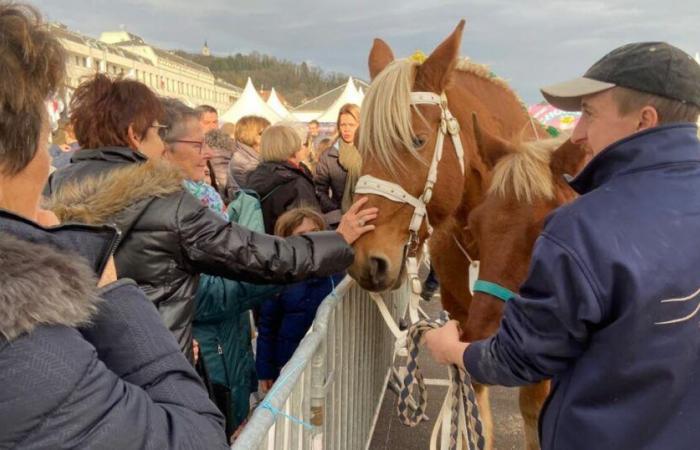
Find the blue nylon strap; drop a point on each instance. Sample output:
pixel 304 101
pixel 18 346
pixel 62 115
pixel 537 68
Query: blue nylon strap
pixel 494 289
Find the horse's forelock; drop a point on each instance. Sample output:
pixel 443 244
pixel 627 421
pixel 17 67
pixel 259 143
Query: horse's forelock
pixel 385 117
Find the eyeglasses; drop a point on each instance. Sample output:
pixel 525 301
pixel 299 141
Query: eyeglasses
pixel 199 145
pixel 162 130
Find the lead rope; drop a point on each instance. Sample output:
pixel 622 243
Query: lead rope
pixel 462 401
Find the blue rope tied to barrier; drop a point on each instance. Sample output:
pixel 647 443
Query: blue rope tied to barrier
pixel 265 404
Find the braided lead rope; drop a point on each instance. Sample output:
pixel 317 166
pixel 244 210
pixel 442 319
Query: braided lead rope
pixel 461 395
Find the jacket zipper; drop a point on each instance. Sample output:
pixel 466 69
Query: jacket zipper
pixel 112 247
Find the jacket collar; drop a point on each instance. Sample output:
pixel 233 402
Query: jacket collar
pixel 661 145
pixel 119 197
pixel 95 243
pixel 112 154
pixel 48 275
pixel 247 150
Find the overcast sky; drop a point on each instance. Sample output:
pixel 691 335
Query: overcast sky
pixel 529 43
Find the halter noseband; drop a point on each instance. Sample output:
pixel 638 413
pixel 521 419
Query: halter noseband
pixel 368 184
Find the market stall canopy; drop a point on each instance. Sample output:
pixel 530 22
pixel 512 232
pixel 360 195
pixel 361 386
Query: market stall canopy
pixel 250 104
pixel 550 116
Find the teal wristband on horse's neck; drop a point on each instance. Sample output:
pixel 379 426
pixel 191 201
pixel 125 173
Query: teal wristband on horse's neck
pixel 494 289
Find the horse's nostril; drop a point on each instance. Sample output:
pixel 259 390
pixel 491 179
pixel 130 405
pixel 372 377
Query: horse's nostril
pixel 377 270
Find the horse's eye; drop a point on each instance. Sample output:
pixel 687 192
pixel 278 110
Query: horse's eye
pixel 418 142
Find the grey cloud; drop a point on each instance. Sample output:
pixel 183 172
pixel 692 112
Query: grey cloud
pixel 529 43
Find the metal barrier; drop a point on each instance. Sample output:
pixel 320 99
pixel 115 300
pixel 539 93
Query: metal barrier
pixel 329 394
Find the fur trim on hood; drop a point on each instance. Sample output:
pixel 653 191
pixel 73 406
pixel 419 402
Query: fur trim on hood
pixel 97 200
pixel 41 286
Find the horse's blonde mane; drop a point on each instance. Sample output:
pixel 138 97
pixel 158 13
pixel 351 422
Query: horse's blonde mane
pixel 466 65
pixel 385 116
pixel 525 174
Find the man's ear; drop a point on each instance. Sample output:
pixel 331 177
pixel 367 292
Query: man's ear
pixel 134 140
pixel 648 118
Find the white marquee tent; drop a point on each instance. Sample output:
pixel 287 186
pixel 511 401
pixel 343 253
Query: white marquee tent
pixel 250 103
pixel 350 95
pixel 324 108
pixel 274 102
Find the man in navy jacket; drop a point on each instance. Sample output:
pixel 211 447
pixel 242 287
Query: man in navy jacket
pixel 609 310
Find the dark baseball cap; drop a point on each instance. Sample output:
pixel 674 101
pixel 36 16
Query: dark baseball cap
pixel 653 67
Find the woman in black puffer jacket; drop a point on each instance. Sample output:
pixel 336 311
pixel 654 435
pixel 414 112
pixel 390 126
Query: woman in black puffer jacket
pixel 168 236
pixel 281 180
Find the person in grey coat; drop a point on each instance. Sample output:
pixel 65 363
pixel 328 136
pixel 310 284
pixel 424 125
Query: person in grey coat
pixel 246 154
pixel 84 364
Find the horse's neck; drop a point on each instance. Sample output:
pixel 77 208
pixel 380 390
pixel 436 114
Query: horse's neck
pixel 501 112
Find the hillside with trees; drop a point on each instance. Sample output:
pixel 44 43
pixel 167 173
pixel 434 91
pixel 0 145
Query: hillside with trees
pixel 296 82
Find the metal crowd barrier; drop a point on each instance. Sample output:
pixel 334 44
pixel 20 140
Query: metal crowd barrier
pixel 329 394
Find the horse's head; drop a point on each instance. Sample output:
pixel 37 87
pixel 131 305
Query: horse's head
pixel 527 184
pixel 412 170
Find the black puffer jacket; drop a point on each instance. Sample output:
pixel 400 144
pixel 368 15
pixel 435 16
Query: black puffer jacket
pixel 88 368
pixel 169 238
pixel 90 163
pixel 281 187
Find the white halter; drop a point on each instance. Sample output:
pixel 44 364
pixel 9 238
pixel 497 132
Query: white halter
pixel 368 184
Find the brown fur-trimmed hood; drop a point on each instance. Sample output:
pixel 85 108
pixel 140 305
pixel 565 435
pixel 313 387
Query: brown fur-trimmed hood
pixel 98 200
pixel 41 286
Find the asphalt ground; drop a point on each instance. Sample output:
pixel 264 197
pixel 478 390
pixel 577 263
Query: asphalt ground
pixel 391 434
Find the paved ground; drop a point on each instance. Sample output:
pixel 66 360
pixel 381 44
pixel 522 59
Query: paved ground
pixel 391 434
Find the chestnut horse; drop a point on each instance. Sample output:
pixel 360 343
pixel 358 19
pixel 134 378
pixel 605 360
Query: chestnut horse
pixel 527 184
pixel 417 126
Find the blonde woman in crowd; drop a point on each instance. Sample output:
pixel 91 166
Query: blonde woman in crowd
pixel 246 155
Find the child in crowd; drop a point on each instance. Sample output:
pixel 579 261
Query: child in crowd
pixel 285 320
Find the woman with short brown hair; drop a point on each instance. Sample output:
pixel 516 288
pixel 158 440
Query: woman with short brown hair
pixel 116 123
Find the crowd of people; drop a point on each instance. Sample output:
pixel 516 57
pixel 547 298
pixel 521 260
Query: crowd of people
pixel 144 247
pixel 142 251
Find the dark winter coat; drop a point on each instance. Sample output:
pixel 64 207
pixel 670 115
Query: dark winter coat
pixel 284 321
pixel 281 187
pixel 330 180
pixel 609 309
pixel 169 238
pixel 83 367
pixel 92 162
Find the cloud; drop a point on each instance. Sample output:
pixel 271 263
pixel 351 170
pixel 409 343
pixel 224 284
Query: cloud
pixel 529 43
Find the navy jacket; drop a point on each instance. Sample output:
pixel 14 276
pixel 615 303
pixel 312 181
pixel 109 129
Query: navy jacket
pixel 608 309
pixel 284 321
pixel 87 368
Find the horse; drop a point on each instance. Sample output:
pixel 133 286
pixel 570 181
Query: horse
pixel 422 169
pixel 527 184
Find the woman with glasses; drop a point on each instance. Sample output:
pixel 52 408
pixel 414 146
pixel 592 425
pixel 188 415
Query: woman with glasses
pixel 168 237
pixel 83 363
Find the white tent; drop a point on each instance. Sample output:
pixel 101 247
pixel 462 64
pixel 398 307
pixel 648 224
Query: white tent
pixel 274 102
pixel 350 95
pixel 250 104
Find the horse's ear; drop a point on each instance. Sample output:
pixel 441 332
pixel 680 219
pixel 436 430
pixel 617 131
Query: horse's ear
pixel 491 148
pixel 379 57
pixel 568 159
pixel 436 69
